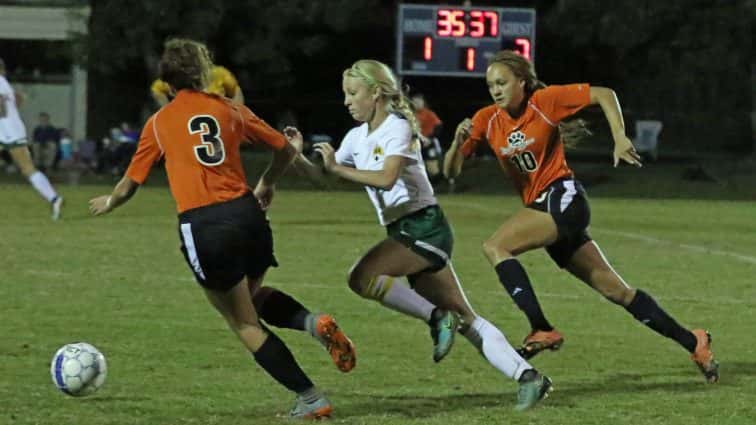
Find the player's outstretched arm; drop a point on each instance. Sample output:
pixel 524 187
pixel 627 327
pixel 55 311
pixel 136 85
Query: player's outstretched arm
pixel 454 159
pixel 301 163
pixel 122 192
pixel 265 188
pixel 381 179
pixel 624 150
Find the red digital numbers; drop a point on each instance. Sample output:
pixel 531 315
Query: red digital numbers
pixel 462 23
pixel 470 59
pixel 427 48
pixel 523 47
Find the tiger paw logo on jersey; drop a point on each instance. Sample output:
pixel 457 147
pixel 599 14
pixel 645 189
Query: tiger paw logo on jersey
pixel 516 142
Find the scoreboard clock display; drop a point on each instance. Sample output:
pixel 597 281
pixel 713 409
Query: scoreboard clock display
pixel 458 41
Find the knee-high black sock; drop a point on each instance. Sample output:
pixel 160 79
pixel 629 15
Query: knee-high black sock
pixel 281 310
pixel 515 280
pixel 277 360
pixel 645 310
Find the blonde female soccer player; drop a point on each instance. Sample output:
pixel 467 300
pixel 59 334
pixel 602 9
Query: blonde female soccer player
pixel 383 154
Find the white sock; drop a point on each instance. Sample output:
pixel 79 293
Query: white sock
pixel 495 348
pixel 396 294
pixel 43 186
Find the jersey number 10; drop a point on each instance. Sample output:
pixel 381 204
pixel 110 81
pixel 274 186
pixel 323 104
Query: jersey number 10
pixel 211 151
pixel 525 162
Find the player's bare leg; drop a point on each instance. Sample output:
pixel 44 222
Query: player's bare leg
pixel 279 309
pixel 22 159
pixel 235 305
pixel 591 266
pixel 443 289
pixel 379 275
pixel 527 229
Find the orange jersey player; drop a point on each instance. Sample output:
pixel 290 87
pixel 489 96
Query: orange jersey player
pixel 200 134
pixel 526 127
pixel 225 235
pixel 528 147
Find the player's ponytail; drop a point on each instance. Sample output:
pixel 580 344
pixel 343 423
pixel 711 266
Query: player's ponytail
pixel 573 130
pixel 378 74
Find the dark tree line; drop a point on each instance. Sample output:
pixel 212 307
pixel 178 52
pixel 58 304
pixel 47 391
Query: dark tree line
pixel 689 63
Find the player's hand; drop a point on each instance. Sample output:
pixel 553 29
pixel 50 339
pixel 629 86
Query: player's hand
pixel 264 194
pixel 329 155
pixel 100 205
pixel 463 130
pixel 294 137
pixel 624 150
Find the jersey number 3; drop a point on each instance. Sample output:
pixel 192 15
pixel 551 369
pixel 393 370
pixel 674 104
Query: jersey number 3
pixel 211 151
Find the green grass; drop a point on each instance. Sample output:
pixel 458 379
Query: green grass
pixel 120 282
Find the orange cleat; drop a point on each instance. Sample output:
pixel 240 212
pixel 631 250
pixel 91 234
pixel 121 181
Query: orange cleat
pixel 703 357
pixel 336 342
pixel 537 341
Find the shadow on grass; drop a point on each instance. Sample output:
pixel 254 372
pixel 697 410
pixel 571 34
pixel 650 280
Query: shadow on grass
pixel 410 406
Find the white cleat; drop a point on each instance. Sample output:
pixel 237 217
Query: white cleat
pixel 57 206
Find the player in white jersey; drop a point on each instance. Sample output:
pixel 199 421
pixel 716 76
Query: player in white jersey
pixel 13 138
pixel 410 271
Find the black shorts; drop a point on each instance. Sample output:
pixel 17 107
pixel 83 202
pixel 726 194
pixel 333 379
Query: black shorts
pixel 433 150
pixel 224 242
pixel 565 200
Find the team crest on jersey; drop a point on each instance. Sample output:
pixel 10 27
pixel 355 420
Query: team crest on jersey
pixel 377 151
pixel 516 142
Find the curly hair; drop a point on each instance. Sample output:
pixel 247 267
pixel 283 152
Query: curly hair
pixel 185 64
pixel 573 130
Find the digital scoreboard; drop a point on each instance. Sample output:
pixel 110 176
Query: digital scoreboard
pixel 456 41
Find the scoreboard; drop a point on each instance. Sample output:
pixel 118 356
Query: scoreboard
pixel 457 41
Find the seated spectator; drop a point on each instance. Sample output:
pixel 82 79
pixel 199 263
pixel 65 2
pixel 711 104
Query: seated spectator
pixel 44 144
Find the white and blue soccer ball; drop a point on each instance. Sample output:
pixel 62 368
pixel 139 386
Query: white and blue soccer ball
pixel 78 369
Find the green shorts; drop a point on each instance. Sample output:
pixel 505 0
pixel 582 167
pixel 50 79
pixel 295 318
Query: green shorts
pixel 427 233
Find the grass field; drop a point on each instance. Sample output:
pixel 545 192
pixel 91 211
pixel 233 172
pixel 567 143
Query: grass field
pixel 120 283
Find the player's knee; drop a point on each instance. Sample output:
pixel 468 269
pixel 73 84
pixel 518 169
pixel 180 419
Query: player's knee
pixel 358 280
pixel 260 295
pixel 493 250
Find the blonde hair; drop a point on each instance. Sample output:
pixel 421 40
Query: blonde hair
pixel 377 74
pixel 185 64
pixel 573 130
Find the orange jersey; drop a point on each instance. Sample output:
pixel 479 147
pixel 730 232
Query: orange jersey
pixel 428 120
pixel 199 135
pixel 529 147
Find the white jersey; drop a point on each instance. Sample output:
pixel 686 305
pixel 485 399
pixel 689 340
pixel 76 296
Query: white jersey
pixel 12 129
pixel 363 151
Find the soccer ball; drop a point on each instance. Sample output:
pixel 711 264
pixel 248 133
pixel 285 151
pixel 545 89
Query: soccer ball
pixel 78 369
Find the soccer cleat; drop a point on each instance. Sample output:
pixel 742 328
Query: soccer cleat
pixel 537 341
pixel 443 327
pixel 703 357
pixel 319 409
pixel 336 342
pixel 57 205
pixel 532 391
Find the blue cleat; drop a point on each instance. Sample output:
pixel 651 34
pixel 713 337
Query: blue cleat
pixel 443 327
